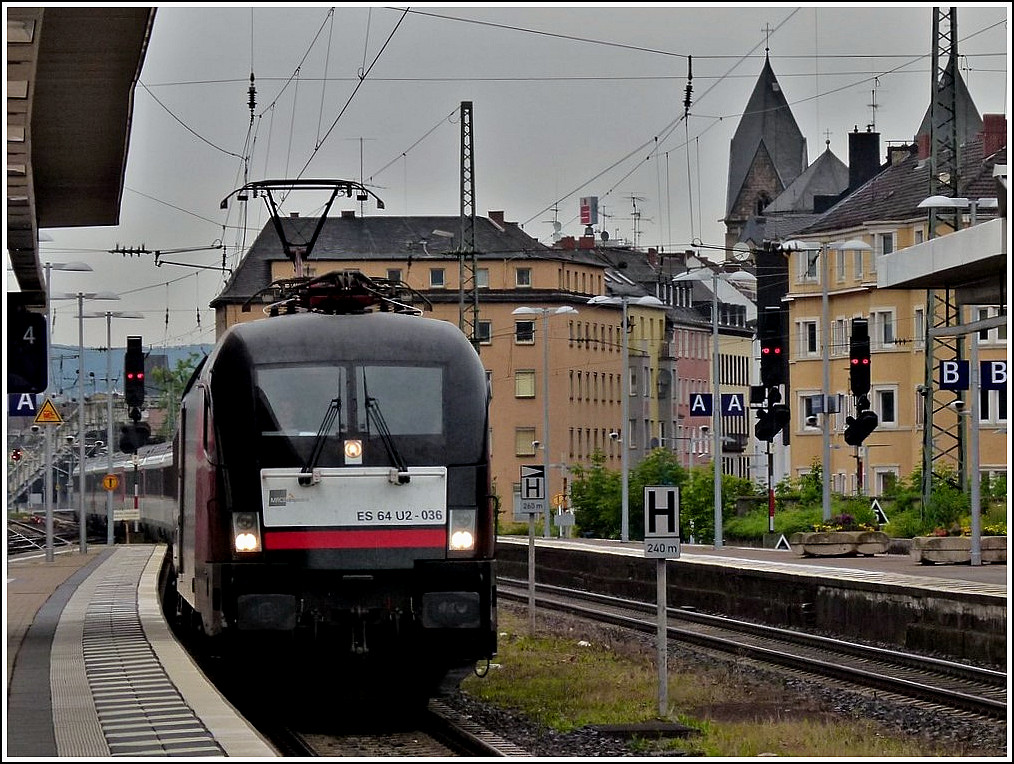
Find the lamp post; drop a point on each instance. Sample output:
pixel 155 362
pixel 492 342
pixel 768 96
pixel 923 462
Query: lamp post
pixel 81 297
pixel 48 504
pixel 626 441
pixel 546 313
pixel 716 389
pixel 825 353
pixel 109 316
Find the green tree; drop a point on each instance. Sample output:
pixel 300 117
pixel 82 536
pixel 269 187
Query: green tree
pixel 169 385
pixel 595 493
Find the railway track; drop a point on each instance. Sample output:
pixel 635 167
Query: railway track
pixel 438 732
pixel 912 678
pixel 25 537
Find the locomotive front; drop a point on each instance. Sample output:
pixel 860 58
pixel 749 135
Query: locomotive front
pixel 345 505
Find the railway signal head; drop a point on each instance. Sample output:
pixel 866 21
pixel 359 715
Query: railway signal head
pixel 771 421
pixel 133 373
pixel 16 454
pixel 859 428
pixel 859 357
pixel 133 436
pixel 773 360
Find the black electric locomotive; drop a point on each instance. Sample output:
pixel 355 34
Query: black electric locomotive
pixel 335 510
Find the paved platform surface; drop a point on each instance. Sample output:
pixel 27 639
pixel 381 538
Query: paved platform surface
pixel 93 670
pixel 988 578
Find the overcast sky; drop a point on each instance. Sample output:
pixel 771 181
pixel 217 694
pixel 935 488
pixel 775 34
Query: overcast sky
pixel 567 102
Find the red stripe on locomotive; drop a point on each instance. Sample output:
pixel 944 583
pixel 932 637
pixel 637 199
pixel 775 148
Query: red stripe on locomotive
pixel 358 539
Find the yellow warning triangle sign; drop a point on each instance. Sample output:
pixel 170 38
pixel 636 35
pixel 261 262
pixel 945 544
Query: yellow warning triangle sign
pixel 48 414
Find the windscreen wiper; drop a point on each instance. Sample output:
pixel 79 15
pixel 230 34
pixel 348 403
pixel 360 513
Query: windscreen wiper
pixel 333 412
pixel 400 474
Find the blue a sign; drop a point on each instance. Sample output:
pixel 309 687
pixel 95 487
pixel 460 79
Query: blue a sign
pixel 701 404
pixel 732 404
pixel 22 404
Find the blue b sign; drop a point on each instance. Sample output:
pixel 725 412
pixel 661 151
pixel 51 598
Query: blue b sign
pixel 954 375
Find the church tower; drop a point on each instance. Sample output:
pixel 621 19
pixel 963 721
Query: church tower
pixel 768 152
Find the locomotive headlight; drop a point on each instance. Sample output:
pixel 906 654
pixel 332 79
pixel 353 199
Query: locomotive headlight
pixel 461 534
pixel 353 451
pixel 246 532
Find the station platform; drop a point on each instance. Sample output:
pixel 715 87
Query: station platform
pixel 957 610
pixel 988 578
pixel 93 670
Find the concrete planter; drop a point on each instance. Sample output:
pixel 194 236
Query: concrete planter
pixel 929 550
pixel 839 543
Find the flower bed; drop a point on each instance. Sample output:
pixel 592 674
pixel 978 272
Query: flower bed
pixel 839 543
pixel 929 550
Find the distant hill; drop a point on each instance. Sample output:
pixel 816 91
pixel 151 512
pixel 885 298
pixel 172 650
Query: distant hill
pixel 64 365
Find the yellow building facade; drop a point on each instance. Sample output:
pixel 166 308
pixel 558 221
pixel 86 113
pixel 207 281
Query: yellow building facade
pixel 897 321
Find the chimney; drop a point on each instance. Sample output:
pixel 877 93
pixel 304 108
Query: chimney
pixel 567 242
pixel 348 214
pixel 924 145
pixel 586 242
pixel 496 216
pixel 994 133
pixel 864 156
pixel 293 214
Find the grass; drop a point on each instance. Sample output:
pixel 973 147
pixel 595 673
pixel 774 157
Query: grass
pixel 566 677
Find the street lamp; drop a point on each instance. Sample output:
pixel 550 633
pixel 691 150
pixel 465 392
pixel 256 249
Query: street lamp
pixel 48 504
pixel 958 202
pixel 81 297
pixel 546 313
pixel 716 390
pixel 626 441
pixel 825 331
pixel 109 316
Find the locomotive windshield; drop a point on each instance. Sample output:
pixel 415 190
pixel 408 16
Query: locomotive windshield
pixel 293 402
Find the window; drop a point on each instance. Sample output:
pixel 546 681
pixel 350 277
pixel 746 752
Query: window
pixel 919 328
pixel 482 278
pixel 524 441
pixel 484 331
pixel 524 332
pixel 437 278
pixel 857 265
pixel 882 329
pixel 884 479
pixel 394 274
pixel 992 335
pixel 523 277
pixel 524 383
pixel 886 242
pixel 808 265
pixel 839 337
pixel 992 406
pixel 807 337
pixel 885 402
pixel 839 264
pixel 809 409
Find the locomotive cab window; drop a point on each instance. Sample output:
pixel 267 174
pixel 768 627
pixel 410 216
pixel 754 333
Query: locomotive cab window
pixel 349 401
